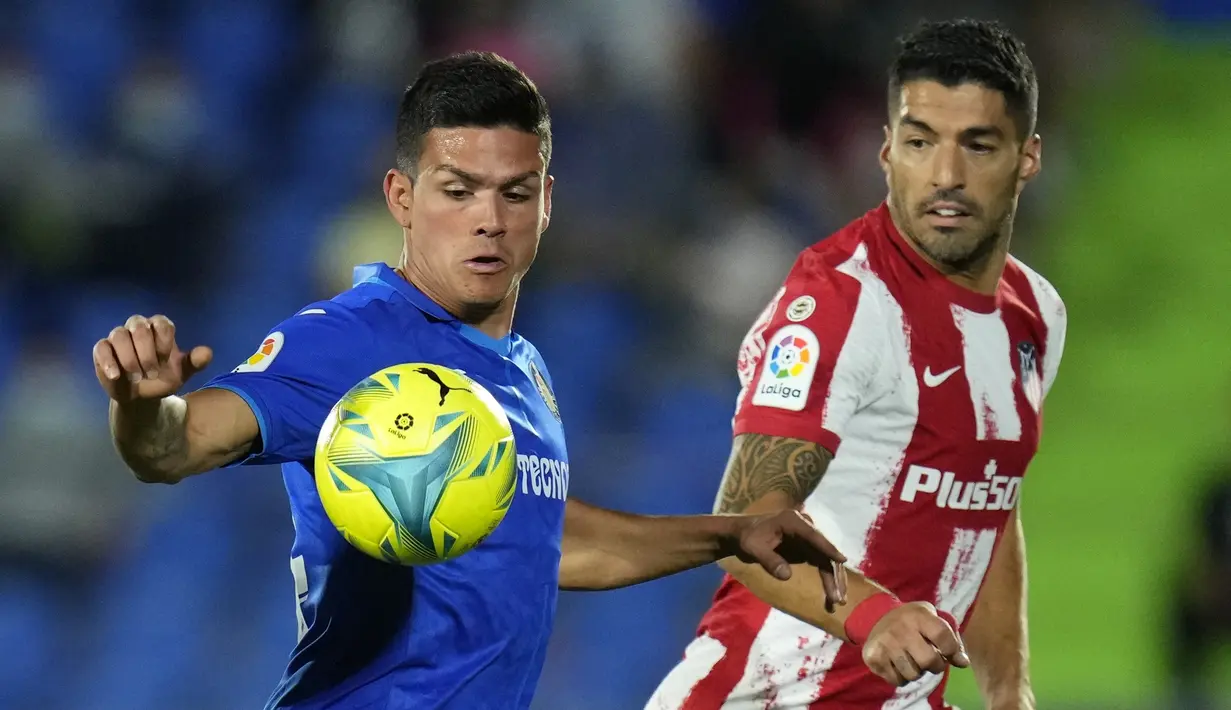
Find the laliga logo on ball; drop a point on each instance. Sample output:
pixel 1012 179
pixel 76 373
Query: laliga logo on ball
pixel 416 464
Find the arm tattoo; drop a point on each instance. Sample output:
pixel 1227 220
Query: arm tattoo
pixel 763 464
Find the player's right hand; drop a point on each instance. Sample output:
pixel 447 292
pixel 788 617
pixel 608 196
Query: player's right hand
pixel 140 360
pixel 912 640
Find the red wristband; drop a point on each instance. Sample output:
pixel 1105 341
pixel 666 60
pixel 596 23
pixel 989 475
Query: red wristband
pixel 865 615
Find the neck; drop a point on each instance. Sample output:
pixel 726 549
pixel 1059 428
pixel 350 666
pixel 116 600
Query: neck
pixel 494 321
pixel 981 272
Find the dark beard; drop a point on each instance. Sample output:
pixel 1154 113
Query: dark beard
pixel 478 312
pixel 969 264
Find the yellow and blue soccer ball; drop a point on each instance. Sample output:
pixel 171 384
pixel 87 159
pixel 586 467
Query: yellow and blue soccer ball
pixel 416 464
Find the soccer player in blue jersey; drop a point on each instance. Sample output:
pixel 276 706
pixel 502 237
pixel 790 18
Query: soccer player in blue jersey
pixel 472 195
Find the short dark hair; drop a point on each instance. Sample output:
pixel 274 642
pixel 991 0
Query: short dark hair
pixel 963 51
pixel 469 90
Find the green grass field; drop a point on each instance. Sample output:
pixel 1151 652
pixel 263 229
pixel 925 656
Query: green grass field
pixel 1141 251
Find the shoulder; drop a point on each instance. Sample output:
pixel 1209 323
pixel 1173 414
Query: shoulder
pixel 850 258
pixel 834 279
pixel 341 335
pixel 367 310
pixel 374 304
pixel 523 349
pixel 1047 301
pixel 318 329
pixel 1048 308
pixel 527 356
pixel 826 307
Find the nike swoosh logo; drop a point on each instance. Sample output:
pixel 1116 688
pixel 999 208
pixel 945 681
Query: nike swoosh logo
pixel 935 380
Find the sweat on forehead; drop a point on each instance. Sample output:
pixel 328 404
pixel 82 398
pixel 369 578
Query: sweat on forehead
pixel 479 156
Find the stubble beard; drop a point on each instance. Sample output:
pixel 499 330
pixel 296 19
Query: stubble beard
pixel 478 310
pixel 956 258
pixel 942 248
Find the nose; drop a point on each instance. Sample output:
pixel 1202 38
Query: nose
pixel 948 168
pixel 492 217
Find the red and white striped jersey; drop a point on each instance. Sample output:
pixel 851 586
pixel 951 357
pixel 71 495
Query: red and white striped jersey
pixel 930 397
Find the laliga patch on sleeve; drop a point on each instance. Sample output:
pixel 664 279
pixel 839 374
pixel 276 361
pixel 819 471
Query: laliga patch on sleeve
pixel 790 363
pixel 264 355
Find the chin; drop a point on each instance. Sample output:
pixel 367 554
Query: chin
pixel 952 256
pixel 487 296
pixel 959 252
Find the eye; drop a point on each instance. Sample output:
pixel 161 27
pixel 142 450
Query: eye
pixel 516 196
pixel 981 148
pixel 457 193
pixel 917 143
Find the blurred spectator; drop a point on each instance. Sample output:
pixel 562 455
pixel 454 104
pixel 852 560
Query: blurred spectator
pixel 1201 625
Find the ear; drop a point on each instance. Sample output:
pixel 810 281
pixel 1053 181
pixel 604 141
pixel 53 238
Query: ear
pixel 884 153
pixel 547 203
pixel 1031 161
pixel 399 194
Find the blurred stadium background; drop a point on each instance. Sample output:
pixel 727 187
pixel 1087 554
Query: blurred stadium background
pixel 220 161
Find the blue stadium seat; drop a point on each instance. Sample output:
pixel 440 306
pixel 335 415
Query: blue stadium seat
pixel 643 632
pixel 233 52
pixel 268 274
pixel 11 332
pixel 161 600
pixel 82 50
pixel 586 333
pixel 681 447
pixel 596 148
pixel 1195 11
pixel 341 127
pixel 29 632
pixel 685 435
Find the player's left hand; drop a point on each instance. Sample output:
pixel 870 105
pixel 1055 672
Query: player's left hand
pixel 789 537
pixel 912 640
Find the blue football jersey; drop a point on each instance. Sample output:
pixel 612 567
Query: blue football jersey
pixel 468 633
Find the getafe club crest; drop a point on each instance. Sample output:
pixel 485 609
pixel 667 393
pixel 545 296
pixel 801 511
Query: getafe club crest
pixel 540 382
pixel 1032 381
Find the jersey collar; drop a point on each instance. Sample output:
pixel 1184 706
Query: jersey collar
pixel 964 297
pixel 382 274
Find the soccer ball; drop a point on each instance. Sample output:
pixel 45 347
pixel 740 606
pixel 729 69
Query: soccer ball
pixel 416 464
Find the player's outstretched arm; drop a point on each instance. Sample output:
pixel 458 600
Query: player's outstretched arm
pixel 767 474
pixel 900 641
pixel 996 634
pixel 162 437
pixel 605 549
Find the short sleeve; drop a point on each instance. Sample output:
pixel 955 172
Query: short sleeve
pixel 1057 329
pixel 810 360
pixel 297 374
pixel 1055 317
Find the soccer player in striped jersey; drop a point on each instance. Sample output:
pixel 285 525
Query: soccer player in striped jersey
pixel 893 390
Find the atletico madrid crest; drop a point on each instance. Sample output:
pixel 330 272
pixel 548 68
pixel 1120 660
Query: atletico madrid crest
pixel 1031 379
